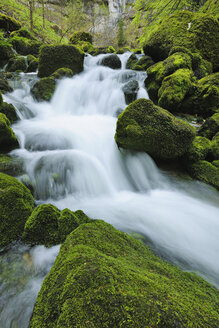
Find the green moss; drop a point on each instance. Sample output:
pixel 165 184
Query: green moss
pixel 25 46
pixel 62 72
pixel 206 172
pixel 4 85
pixel 9 111
pixel 17 63
pixel 53 57
pixel 1 99
pixel 111 50
pixel 105 278
pixel 145 127
pixel 11 165
pixel 24 33
pixel 32 63
pixel 156 73
pixel 133 59
pixel 215 147
pixel 216 163
pixel 16 203
pixel 85 46
pixel 43 89
pixel 6 51
pixel 49 226
pixel 210 127
pixel 198 150
pixel 9 24
pixel 174 89
pixel 81 36
pixel 143 63
pixel 8 140
pixel 201 37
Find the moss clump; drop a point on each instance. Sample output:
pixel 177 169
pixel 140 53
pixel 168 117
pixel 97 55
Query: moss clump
pixel 6 51
pixel 8 140
pixel 204 98
pixel 25 46
pixel 85 46
pixel 111 61
pixel 145 127
pixel 16 203
pixel 111 50
pixel 43 89
pixel 215 147
pixel 216 163
pixel 9 111
pixel 105 278
pixel 156 73
pixel 32 63
pixel 81 36
pixel 4 85
pixel 131 61
pixel 24 33
pixel 201 36
pixel 143 63
pixel 9 24
pixel 17 63
pixel 62 72
pixel 210 127
pixel 53 57
pixel 49 226
pixel 174 89
pixel 206 172
pixel 198 150
pixel 11 165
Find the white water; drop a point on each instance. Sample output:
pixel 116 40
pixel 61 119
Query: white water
pixel 73 161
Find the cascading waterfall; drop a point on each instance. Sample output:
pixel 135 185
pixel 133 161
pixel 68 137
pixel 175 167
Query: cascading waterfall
pixel 71 157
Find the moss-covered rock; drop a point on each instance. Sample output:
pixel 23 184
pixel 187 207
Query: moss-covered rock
pixel 4 85
pixel 145 127
pixel 206 172
pixel 8 140
pixel 49 226
pixel 53 57
pixel 1 99
pixel 196 32
pixel 62 72
pixel 9 24
pixel 143 63
pixel 17 63
pixel 9 111
pixel 24 33
pixel 210 127
pixel 85 47
pixel 44 88
pixel 216 163
pixel 111 61
pixel 215 147
pixel 156 73
pixel 11 165
pixel 111 50
pixel 174 89
pixel 204 98
pixel 132 60
pixel 25 46
pixel 130 90
pixel 32 63
pixel 76 37
pixel 16 203
pixel 6 51
pixel 198 150
pixel 105 278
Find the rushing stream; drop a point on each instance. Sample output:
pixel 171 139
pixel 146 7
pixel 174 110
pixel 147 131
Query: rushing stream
pixel 71 157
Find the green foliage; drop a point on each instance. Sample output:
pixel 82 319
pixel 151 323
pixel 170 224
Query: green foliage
pixel 8 140
pixel 105 278
pixel 121 41
pixel 53 57
pixel 145 127
pixel 44 88
pixel 16 203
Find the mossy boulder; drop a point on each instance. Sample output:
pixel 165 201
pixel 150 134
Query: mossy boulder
pixel 6 51
pixel 16 203
pixel 111 50
pixel 4 85
pixel 62 73
pixel 174 88
pixel 198 150
pixel 24 33
pixel 11 165
pixel 32 64
pixel 25 46
pixel 86 46
pixel 9 24
pixel 44 88
pixel 49 226
pixel 143 63
pixel 9 111
pixel 111 61
pixel 215 147
pixel 105 278
pixel 145 127
pixel 156 73
pixel 76 37
pixel 210 127
pixel 204 98
pixel 132 60
pixel 8 140
pixel 206 172
pixel 130 90
pixel 197 32
pixel 53 57
pixel 17 63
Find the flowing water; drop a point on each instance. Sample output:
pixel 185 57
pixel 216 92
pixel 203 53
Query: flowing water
pixel 72 160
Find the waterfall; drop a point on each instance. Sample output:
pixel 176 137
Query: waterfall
pixel 71 157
